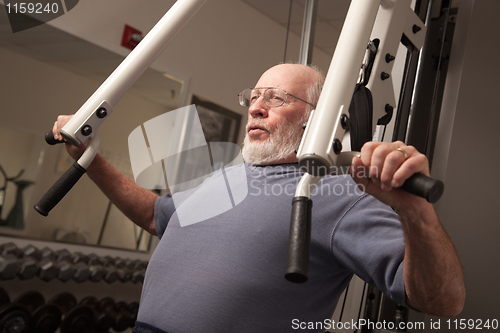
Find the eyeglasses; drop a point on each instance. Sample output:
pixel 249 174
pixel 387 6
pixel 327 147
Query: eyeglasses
pixel 273 97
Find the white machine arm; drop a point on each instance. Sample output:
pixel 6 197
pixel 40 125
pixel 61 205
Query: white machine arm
pixel 91 114
pixel 83 125
pixel 321 146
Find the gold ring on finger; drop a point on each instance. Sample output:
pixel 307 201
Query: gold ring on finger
pixel 404 152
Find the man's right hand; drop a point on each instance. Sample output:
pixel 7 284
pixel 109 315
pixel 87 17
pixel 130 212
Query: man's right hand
pixel 74 152
pixel 134 201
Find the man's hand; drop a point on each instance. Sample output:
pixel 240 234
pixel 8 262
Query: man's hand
pixel 135 202
pixel 383 167
pixel 74 152
pixel 432 272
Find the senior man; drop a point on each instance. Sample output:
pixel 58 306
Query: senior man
pixel 226 274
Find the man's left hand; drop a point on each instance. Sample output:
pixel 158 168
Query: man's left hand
pixel 383 167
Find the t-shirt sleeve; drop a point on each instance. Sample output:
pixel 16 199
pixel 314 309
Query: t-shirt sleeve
pixel 369 241
pixel 164 209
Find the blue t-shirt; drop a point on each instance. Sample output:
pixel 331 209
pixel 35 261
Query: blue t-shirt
pixel 225 272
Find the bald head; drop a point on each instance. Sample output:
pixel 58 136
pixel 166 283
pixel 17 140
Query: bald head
pixel 294 72
pixel 299 80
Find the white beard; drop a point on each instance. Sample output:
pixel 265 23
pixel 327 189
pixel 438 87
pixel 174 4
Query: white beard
pixel 281 144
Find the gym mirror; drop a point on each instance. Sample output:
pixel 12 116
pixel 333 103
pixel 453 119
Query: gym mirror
pixel 46 72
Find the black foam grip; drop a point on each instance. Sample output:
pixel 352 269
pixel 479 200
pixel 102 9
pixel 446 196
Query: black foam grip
pixel 299 240
pixel 59 189
pixel 425 187
pixel 49 138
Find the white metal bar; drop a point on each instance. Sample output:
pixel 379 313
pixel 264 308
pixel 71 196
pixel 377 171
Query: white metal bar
pixel 338 90
pixel 125 75
pixel 306 185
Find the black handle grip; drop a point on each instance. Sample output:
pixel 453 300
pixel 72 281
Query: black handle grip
pixel 425 187
pixel 299 240
pixel 59 189
pixel 49 138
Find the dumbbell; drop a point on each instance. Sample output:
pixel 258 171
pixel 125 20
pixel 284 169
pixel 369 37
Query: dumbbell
pixel 15 261
pixel 8 261
pixel 131 270
pixel 14 318
pixel 8 266
pixel 71 266
pixel 76 318
pixel 48 269
pixel 66 268
pixel 133 307
pixel 89 271
pixel 97 271
pixel 136 268
pixel 124 269
pixel 116 268
pixel 45 318
pixel 58 265
pixel 103 321
pixel 131 311
pixel 84 267
pixel 9 248
pixel 27 262
pixel 122 318
pixel 110 271
pixel 139 270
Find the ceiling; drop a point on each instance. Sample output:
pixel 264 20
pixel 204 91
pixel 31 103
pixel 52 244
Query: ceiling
pixel 329 18
pixel 58 48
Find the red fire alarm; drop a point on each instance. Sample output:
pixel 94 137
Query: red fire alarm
pixel 131 37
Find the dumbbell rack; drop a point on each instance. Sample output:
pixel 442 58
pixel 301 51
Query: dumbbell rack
pixel 30 262
pixel 49 268
pixel 29 312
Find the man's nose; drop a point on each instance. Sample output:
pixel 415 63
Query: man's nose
pixel 259 109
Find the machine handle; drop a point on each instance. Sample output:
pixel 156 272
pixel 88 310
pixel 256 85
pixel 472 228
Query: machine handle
pixel 59 189
pixel 49 138
pixel 66 182
pixel 423 186
pixel 299 240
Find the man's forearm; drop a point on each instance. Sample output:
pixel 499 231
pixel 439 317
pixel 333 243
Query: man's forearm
pixel 432 270
pixel 134 201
